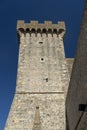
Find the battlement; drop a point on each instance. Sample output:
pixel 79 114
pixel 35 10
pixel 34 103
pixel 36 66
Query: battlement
pixel 46 27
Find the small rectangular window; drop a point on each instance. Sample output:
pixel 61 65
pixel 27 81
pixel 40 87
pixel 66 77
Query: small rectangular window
pixel 40 42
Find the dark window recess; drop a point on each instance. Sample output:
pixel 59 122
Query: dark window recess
pixel 82 107
pixel 33 30
pixel 38 30
pixel 44 31
pixel 46 79
pixel 60 31
pixel 42 59
pixel 37 107
pixel 40 42
pixel 55 31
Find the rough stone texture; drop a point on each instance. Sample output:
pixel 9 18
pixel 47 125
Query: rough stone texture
pixel 42 81
pixel 70 64
pixel 77 93
pixel 51 107
pixel 33 70
pixel 37 120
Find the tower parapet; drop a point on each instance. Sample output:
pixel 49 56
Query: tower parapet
pixel 46 27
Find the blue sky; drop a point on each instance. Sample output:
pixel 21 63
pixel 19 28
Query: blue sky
pixel 69 11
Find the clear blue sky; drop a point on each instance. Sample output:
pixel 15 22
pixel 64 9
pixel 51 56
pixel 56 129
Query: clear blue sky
pixel 69 11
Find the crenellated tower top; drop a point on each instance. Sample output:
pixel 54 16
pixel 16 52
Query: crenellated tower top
pixel 46 27
pixel 42 78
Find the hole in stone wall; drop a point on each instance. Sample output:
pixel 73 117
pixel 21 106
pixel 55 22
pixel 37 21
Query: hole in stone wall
pixel 37 107
pixel 27 30
pixel 55 31
pixel 38 30
pixel 44 30
pixel 82 107
pixel 33 30
pixel 21 30
pixel 46 79
pixel 40 42
pixel 50 31
pixel 60 31
pixel 42 59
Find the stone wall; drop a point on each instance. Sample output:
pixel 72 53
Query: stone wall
pixel 77 93
pixel 42 79
pixel 51 108
pixel 70 62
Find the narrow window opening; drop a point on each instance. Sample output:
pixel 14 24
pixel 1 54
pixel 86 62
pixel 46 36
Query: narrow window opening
pixel 40 42
pixel 82 107
pixel 46 79
pixel 37 107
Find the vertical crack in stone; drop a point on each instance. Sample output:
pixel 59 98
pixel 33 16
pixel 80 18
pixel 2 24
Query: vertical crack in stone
pixel 37 122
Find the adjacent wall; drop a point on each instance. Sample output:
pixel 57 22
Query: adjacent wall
pixel 77 93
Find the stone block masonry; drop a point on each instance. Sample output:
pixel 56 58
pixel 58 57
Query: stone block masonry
pixel 42 78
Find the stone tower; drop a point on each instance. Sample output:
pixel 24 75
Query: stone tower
pixel 42 78
pixel 76 102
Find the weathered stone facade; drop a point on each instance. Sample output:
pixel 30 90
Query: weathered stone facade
pixel 42 79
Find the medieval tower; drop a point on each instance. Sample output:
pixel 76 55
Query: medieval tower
pixel 42 78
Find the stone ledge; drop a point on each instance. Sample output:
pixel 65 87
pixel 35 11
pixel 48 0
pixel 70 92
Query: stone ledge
pixel 39 92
